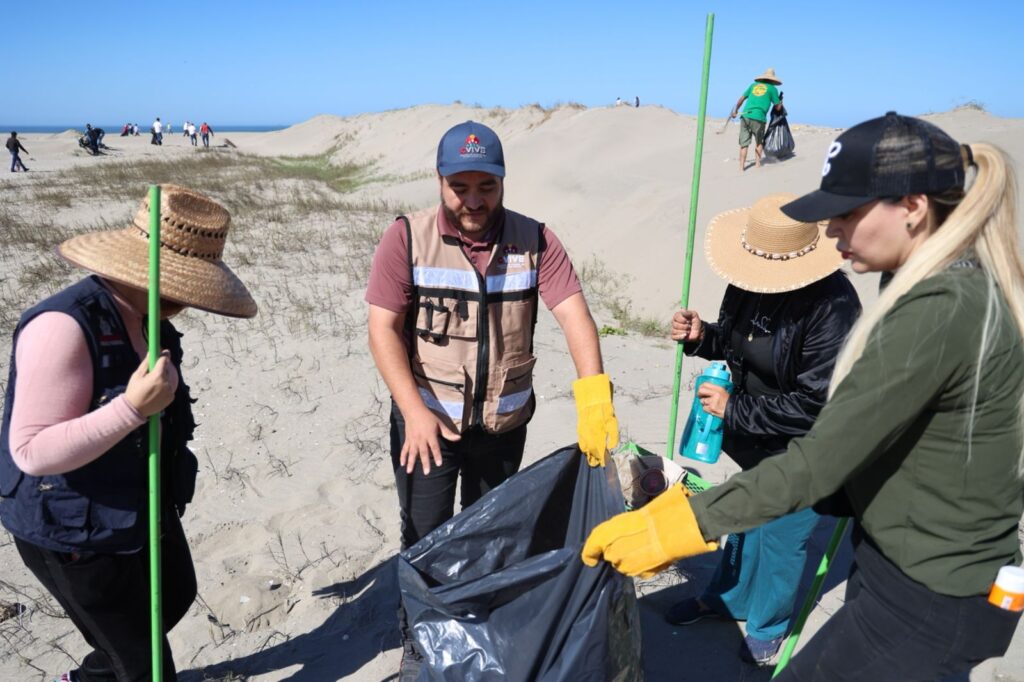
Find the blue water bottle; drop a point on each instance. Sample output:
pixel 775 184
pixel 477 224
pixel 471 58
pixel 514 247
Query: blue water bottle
pixel 702 437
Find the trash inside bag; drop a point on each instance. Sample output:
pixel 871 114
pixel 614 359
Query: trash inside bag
pixel 499 591
pixel 778 139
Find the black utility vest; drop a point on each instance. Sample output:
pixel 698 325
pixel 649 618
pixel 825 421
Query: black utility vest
pixel 100 507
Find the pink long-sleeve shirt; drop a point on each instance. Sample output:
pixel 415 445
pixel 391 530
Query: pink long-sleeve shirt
pixel 52 430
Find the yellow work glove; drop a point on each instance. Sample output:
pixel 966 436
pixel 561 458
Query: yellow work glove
pixel 596 424
pixel 646 541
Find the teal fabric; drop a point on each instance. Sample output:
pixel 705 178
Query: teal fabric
pixel 759 574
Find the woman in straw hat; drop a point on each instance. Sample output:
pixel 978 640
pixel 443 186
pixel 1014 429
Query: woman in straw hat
pixel 73 472
pixel 784 317
pixel 922 440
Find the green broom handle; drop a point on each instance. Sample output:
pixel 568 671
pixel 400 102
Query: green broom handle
pixel 155 580
pixel 684 299
pixel 812 596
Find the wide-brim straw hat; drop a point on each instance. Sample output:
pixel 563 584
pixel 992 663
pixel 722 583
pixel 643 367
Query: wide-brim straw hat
pixel 761 249
pixel 769 76
pixel 193 230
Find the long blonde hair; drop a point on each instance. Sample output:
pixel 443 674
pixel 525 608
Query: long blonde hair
pixel 985 224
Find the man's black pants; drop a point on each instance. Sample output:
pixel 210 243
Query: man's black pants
pixel 483 459
pixel 107 597
pixel 892 628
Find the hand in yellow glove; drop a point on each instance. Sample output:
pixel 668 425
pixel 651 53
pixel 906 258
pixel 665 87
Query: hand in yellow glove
pixel 596 424
pixel 646 541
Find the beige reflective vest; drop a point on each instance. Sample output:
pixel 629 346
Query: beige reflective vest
pixel 472 335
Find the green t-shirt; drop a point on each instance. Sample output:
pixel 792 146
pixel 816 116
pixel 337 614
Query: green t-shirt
pixel 760 98
pixel 894 438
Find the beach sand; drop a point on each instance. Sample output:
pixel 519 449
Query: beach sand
pixel 294 526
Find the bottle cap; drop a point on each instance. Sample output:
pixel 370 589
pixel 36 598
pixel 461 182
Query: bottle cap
pixel 1011 579
pixel 718 370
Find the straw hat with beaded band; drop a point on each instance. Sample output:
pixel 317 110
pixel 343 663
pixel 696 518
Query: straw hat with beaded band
pixel 193 230
pixel 762 250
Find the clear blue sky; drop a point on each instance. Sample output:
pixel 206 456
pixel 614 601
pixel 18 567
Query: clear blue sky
pixel 282 62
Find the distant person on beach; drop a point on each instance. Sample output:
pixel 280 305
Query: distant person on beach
pixel 126 130
pixel 74 444
pixel 14 147
pixel 921 442
pixel 168 129
pixel 94 138
pixel 760 96
pixel 453 296
pixel 206 131
pixel 135 129
pixel 158 132
pixel 190 130
pixel 636 101
pixel 782 322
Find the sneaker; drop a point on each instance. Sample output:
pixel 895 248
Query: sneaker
pixel 689 611
pixel 759 651
pixel 409 668
pixel 69 676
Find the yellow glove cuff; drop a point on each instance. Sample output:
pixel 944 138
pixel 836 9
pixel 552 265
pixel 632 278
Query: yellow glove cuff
pixel 592 390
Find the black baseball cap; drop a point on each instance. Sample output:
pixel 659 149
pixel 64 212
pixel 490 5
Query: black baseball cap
pixel 889 156
pixel 470 146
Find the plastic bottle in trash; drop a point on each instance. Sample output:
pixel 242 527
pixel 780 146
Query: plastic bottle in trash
pixel 702 437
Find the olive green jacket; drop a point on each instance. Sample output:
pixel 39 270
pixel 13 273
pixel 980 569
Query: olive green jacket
pixel 939 497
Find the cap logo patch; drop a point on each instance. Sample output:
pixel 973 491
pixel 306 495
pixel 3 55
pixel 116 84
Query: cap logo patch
pixel 472 147
pixel 833 152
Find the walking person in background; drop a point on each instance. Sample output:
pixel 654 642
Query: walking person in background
pixel 760 96
pixel 190 130
pixel 206 131
pixel 783 320
pixel 158 132
pixel 73 445
pixel 922 439
pixel 453 294
pixel 14 147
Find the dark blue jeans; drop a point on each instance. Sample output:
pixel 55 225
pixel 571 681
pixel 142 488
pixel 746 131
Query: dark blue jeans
pixel 759 575
pixel 16 162
pixel 893 629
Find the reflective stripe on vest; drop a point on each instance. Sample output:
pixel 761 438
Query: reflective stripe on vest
pixel 471 334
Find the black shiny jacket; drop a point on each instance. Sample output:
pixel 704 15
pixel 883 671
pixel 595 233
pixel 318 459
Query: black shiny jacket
pixel 808 331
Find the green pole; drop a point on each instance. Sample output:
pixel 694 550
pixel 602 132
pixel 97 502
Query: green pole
pixel 812 596
pixel 684 299
pixel 155 580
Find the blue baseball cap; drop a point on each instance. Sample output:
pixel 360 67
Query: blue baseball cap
pixel 470 146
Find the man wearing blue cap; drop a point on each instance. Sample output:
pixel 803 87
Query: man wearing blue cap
pixel 453 298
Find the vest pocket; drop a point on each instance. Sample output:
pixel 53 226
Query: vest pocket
pixel 442 386
pixel 63 508
pixel 510 399
pixel 437 318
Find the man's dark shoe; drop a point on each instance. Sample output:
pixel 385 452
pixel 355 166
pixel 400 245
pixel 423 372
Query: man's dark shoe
pixel 689 611
pixel 759 651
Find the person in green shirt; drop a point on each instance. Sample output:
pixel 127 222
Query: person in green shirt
pixel 760 96
pixel 921 441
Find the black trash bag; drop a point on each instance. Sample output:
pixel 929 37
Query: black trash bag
pixel 499 591
pixel 778 138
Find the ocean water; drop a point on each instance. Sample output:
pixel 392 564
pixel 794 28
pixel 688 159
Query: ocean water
pixel 143 128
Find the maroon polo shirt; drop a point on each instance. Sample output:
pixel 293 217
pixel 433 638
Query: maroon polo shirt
pixel 390 284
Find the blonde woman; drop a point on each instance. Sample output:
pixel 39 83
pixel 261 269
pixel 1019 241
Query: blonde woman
pixel 921 440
